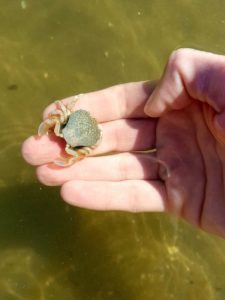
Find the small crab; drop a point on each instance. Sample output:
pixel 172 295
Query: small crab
pixel 79 129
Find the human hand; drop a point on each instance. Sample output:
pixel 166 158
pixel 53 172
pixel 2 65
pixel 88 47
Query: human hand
pixel 189 101
pixel 193 188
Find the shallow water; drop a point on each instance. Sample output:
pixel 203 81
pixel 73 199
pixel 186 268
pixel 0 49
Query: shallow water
pixel 49 250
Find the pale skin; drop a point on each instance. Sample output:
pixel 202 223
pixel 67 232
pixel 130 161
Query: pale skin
pixel 168 115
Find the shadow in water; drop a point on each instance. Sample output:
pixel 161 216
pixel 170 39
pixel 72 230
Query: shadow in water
pixel 57 245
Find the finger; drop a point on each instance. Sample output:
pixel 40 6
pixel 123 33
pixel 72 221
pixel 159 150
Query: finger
pixel 189 75
pixel 117 102
pixel 119 135
pixel 127 135
pixel 117 167
pixel 37 151
pixel 129 195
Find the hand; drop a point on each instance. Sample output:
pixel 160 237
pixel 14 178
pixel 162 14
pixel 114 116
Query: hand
pixel 189 101
pixel 187 134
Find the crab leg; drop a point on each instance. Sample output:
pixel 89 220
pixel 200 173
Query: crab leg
pixel 79 152
pixel 46 125
pixel 75 155
pixel 63 109
pixel 55 119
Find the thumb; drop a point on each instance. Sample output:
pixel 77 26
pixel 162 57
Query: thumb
pixel 190 75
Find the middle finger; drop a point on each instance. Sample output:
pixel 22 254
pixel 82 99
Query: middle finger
pixel 118 136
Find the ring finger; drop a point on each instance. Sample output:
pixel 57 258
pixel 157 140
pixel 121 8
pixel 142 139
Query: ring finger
pixel 124 166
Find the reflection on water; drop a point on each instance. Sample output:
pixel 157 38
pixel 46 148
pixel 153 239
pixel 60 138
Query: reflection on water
pixel 49 250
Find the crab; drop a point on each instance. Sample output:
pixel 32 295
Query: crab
pixel 79 129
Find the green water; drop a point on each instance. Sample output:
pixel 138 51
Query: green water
pixel 48 250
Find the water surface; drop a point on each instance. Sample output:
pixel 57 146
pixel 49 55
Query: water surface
pixel 49 250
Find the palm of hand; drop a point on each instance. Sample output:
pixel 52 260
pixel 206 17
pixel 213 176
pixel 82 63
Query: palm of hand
pixel 195 189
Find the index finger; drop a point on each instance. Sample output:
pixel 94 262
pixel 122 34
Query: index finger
pixel 116 102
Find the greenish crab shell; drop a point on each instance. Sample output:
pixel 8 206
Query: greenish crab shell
pixel 81 130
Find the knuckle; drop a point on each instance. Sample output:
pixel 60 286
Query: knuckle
pixel 116 129
pixel 122 167
pixel 177 57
